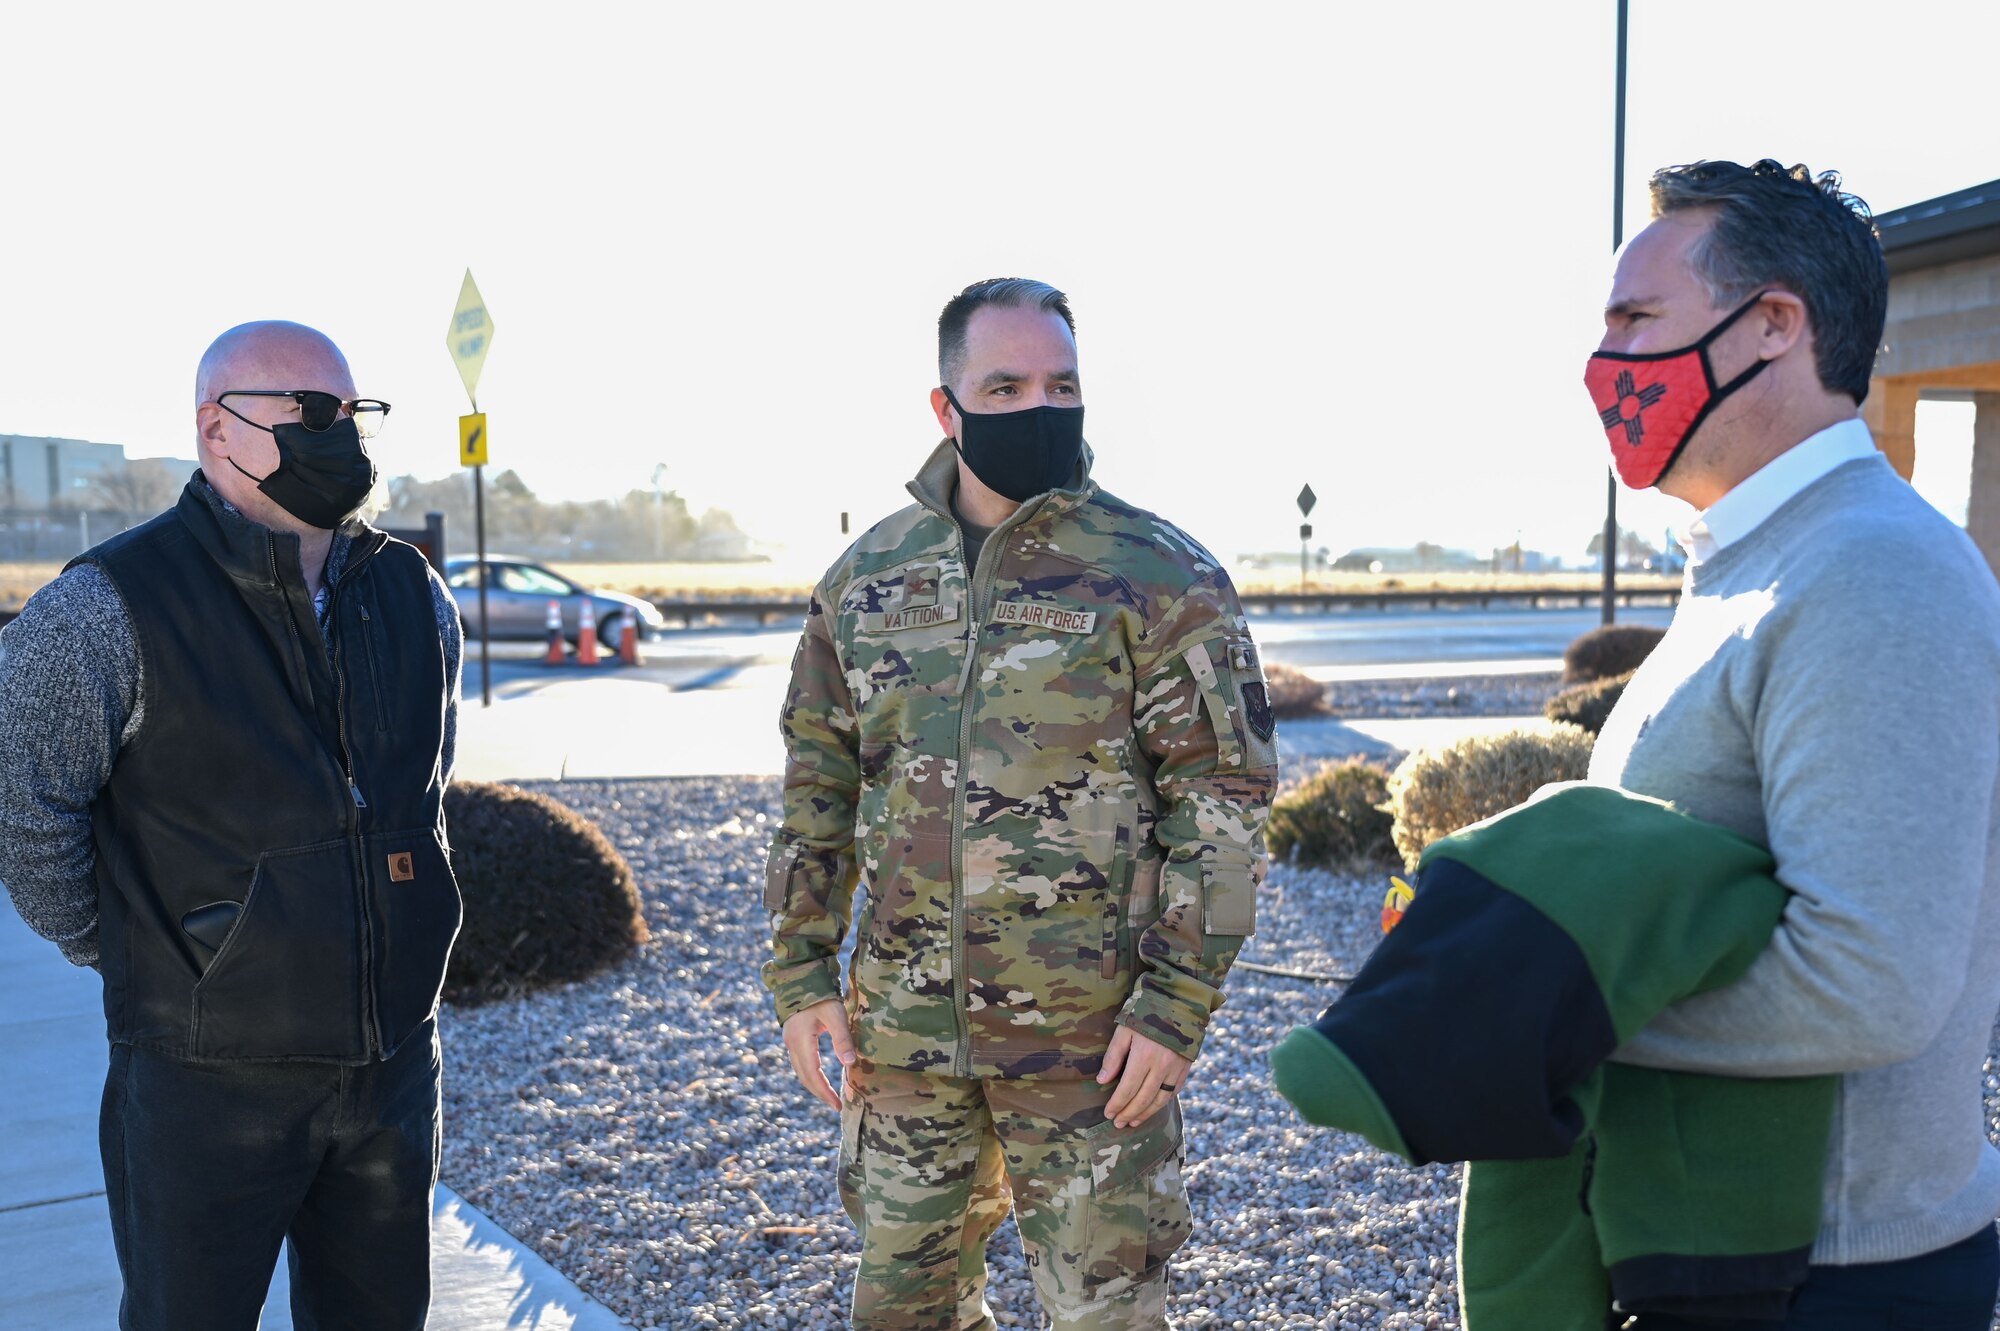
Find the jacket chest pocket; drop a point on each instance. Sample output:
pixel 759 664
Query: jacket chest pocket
pixel 1053 661
pixel 902 652
pixel 372 653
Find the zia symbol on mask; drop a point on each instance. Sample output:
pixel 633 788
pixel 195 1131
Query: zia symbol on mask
pixel 1630 408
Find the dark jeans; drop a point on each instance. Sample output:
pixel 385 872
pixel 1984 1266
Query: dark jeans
pixel 1951 1289
pixel 209 1166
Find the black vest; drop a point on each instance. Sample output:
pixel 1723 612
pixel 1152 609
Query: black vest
pixel 265 772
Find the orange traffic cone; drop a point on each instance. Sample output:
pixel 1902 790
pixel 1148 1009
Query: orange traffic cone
pixel 586 632
pixel 558 654
pixel 628 637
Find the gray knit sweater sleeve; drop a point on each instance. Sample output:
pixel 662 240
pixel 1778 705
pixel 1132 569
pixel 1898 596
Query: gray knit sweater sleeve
pixel 69 697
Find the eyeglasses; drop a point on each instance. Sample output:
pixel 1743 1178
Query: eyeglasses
pixel 317 411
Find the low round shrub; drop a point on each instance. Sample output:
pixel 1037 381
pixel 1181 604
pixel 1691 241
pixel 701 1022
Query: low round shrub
pixel 548 898
pixel 1438 791
pixel 1334 817
pixel 1615 649
pixel 1293 692
pixel 1588 704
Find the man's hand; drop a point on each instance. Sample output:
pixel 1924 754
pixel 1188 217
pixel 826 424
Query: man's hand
pixel 802 1033
pixel 1152 1074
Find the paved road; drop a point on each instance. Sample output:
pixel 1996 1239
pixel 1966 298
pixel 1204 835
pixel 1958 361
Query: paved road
pixel 702 659
pixel 1374 637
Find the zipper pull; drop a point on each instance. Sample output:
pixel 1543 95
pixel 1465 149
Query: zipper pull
pixel 355 791
pixel 364 611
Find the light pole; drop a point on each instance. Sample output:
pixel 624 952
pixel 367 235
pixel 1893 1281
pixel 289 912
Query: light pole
pixel 1306 501
pixel 1617 239
pixel 659 514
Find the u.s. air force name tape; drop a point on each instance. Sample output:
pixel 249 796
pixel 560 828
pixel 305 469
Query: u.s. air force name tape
pixel 914 618
pixel 1041 615
pixel 1029 614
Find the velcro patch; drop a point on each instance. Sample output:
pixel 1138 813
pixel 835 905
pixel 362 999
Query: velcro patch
pixel 1042 615
pixel 916 617
pixel 1242 656
pixel 920 587
pixel 1257 709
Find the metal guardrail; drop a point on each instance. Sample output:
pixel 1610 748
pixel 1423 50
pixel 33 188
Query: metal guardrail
pixel 693 614
pixel 690 614
pixel 698 614
pixel 1533 599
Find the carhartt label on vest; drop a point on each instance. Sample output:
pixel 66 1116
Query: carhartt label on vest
pixel 402 867
pixel 916 617
pixel 1041 615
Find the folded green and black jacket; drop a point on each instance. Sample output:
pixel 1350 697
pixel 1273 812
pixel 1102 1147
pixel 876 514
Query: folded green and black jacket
pixel 1479 1030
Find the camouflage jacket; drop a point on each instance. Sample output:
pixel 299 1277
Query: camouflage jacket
pixel 1052 769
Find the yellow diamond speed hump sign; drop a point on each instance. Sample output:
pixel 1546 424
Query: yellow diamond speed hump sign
pixel 470 335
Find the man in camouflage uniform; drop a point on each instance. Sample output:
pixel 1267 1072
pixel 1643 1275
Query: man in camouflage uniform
pixel 1031 717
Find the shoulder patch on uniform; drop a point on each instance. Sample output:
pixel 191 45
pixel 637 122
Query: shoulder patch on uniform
pixel 1257 710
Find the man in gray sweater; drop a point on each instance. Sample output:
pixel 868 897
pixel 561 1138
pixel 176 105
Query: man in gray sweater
pixel 224 740
pixel 1830 688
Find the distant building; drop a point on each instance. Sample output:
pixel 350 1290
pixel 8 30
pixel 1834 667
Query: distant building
pixel 726 547
pixel 38 472
pixel 1420 558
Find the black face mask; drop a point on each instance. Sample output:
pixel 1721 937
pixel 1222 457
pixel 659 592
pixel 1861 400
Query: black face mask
pixel 322 477
pixel 1020 454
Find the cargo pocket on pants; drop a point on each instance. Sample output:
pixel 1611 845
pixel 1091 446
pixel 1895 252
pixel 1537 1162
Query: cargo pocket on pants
pixel 1137 1213
pixel 847 1167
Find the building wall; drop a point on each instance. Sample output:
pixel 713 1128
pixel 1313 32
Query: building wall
pixel 39 472
pixel 1942 318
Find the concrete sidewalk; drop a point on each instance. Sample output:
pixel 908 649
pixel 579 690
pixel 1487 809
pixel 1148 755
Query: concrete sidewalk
pixel 57 1269
pixel 606 727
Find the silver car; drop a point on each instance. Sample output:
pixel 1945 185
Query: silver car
pixel 518 593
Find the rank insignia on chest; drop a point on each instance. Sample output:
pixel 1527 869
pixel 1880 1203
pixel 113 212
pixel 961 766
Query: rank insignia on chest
pixel 1044 615
pixel 920 588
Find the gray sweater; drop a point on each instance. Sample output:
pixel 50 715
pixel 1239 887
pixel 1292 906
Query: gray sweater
pixel 71 697
pixel 1830 688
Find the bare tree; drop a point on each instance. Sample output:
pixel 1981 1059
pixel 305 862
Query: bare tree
pixel 140 488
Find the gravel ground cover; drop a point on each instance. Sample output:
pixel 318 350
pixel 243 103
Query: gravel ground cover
pixel 644 1133
pixel 1475 695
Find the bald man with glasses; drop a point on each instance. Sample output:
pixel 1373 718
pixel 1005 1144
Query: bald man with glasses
pixel 224 741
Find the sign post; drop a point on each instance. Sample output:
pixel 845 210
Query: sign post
pixel 1610 612
pixel 1306 501
pixel 471 333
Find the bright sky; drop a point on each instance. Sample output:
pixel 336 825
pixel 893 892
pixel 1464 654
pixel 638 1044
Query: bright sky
pixel 1363 246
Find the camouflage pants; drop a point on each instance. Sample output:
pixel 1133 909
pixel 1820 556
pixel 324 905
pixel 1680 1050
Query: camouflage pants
pixel 929 1165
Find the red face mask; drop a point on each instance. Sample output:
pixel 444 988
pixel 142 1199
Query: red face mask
pixel 1651 405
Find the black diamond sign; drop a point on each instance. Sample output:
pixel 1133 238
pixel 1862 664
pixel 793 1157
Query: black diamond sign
pixel 1306 501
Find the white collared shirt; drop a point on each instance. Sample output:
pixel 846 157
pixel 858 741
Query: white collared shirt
pixel 1744 509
